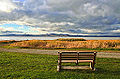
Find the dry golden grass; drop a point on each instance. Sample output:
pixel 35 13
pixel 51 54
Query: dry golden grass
pixel 8 41
pixel 71 39
pixel 68 44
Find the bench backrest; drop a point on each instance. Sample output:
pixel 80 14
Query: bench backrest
pixel 76 55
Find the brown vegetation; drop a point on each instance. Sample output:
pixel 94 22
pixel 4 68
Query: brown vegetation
pixel 69 44
pixel 7 41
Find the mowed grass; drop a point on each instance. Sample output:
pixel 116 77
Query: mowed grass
pixel 32 66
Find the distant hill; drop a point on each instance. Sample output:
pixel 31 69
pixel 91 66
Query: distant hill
pixel 60 35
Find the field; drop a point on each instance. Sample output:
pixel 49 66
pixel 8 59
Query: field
pixel 69 44
pixel 20 65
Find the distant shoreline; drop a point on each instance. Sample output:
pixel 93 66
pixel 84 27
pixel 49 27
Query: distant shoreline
pixel 59 35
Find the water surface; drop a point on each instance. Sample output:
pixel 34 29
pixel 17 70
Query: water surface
pixel 52 38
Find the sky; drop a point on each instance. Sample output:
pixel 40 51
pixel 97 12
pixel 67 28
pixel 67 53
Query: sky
pixel 81 17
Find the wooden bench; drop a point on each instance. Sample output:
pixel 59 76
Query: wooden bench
pixel 76 57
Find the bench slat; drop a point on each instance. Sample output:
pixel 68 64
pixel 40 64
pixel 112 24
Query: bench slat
pixel 74 52
pixel 76 61
pixel 69 61
pixel 76 67
pixel 78 56
pixel 68 52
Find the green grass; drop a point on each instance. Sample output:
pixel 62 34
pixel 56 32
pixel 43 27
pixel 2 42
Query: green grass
pixel 20 66
pixel 9 47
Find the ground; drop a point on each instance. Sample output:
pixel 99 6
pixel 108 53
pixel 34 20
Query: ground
pixel 31 64
pixel 37 66
pixel 108 54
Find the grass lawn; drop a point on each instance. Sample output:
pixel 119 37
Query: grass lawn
pixel 20 66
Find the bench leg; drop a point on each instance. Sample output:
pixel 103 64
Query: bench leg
pixel 76 63
pixel 58 68
pixel 92 66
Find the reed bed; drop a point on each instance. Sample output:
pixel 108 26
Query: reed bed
pixel 115 44
pixel 7 41
pixel 71 39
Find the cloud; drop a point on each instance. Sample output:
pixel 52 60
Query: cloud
pixel 81 8
pixel 7 29
pixel 63 16
pixel 6 6
pixel 115 31
pixel 90 31
pixel 9 32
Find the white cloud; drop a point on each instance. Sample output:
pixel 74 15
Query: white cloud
pixel 90 31
pixel 14 22
pixel 7 29
pixel 56 24
pixel 7 6
pixel 1 28
pixel 38 23
pixel 116 31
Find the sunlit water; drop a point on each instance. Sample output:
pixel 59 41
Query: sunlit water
pixel 52 38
